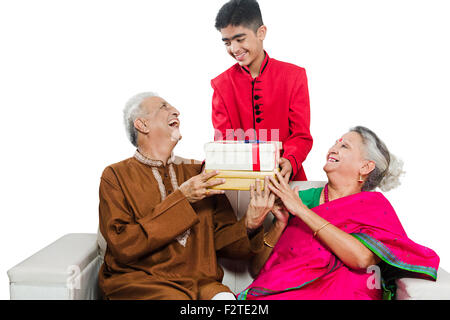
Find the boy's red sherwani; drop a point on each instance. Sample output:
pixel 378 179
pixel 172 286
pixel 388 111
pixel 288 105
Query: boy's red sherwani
pixel 277 99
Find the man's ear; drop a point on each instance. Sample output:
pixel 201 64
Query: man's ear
pixel 141 125
pixel 367 168
pixel 261 32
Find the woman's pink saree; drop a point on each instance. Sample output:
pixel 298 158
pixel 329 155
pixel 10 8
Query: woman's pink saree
pixel 300 267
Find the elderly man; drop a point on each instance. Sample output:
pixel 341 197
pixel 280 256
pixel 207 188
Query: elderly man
pixel 164 228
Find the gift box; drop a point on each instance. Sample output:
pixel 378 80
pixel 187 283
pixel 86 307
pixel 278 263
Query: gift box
pixel 242 162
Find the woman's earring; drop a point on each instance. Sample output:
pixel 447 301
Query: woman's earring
pixel 360 179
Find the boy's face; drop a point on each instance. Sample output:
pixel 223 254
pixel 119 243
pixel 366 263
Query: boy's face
pixel 243 44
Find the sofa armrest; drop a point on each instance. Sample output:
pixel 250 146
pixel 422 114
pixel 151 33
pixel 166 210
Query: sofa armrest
pixel 419 289
pixel 66 269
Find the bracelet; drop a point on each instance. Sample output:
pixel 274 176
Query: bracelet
pixel 315 233
pixel 265 241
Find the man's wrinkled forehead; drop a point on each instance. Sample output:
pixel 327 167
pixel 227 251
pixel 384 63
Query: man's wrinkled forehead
pixel 151 104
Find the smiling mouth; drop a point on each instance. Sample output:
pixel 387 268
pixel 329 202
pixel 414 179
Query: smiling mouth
pixel 174 123
pixel 240 57
pixel 331 159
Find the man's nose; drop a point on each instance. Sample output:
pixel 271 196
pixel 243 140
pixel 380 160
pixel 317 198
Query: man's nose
pixel 175 111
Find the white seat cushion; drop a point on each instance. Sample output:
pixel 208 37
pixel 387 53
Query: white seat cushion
pixel 58 261
pixel 419 289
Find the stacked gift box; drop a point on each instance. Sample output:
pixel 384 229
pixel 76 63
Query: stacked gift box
pixel 241 162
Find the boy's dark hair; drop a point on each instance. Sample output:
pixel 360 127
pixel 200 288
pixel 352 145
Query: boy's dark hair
pixel 244 13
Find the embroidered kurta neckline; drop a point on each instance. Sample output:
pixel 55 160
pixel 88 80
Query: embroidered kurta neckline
pixel 155 164
pixel 150 162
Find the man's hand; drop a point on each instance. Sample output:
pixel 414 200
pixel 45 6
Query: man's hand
pixel 261 203
pixel 196 188
pixel 286 168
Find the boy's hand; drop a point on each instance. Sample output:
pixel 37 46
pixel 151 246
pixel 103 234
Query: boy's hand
pixel 286 169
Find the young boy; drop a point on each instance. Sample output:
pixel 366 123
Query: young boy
pixel 260 98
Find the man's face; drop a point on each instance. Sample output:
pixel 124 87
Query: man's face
pixel 160 119
pixel 243 44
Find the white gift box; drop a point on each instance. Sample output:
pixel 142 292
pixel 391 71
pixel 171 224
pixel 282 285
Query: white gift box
pixel 240 155
pixel 241 163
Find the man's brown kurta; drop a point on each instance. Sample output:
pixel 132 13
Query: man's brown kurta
pixel 143 222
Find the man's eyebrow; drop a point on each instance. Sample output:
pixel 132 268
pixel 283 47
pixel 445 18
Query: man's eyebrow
pixel 235 36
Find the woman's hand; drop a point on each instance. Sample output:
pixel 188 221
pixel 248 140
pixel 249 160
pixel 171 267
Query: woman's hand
pixel 281 214
pixel 347 248
pixel 261 203
pixel 288 196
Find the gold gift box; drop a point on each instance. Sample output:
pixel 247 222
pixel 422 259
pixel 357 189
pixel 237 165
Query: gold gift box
pixel 240 180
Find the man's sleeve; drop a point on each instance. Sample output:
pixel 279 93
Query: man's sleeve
pixel 220 118
pixel 129 238
pixel 231 239
pixel 299 143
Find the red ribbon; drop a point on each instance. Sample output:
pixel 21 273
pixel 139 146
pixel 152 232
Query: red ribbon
pixel 255 157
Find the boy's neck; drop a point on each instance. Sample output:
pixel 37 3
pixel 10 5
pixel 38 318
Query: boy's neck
pixel 255 66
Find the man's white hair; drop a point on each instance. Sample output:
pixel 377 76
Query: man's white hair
pixel 132 111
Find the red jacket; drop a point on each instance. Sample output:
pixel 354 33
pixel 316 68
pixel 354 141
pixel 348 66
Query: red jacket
pixel 277 99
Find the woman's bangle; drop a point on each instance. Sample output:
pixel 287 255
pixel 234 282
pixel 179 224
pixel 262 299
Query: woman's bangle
pixel 265 241
pixel 315 233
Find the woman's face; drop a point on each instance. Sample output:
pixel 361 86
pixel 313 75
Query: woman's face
pixel 346 157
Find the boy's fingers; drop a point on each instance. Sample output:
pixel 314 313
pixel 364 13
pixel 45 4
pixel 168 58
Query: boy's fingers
pixel 281 179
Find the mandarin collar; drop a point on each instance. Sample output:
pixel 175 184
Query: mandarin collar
pixel 150 162
pixel 263 65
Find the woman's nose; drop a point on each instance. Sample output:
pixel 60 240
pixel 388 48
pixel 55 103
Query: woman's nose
pixel 333 149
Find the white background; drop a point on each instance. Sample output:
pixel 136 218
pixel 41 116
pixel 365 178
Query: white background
pixel 68 67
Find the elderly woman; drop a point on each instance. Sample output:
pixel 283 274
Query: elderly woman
pixel 340 241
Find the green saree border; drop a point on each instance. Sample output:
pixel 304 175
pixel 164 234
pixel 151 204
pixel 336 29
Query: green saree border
pixel 377 247
pixel 387 256
pixel 260 291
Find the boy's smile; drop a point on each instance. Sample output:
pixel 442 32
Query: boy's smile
pixel 245 46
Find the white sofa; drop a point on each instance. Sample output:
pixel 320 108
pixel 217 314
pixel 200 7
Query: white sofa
pixel 68 268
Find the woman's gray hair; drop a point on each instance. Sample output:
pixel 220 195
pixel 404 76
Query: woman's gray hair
pixel 388 168
pixel 132 111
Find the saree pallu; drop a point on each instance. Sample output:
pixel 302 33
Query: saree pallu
pixel 301 267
